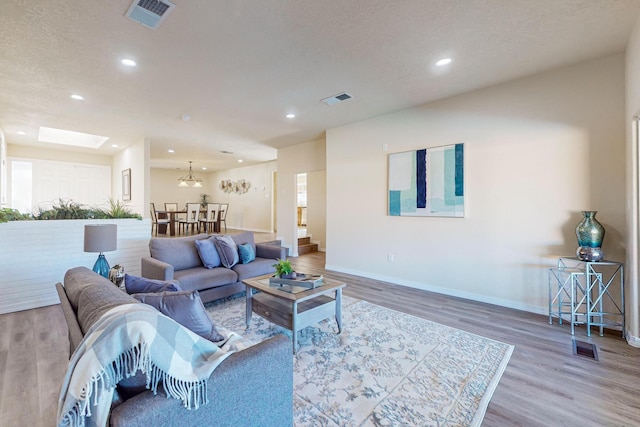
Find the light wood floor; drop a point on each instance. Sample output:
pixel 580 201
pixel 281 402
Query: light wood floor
pixel 543 385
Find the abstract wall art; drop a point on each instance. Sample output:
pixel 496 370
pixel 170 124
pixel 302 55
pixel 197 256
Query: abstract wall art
pixel 427 182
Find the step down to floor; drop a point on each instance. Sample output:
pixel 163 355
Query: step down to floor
pixel 305 246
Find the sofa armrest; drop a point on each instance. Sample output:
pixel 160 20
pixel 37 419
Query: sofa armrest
pixel 270 251
pixel 75 333
pixel 155 269
pixel 253 387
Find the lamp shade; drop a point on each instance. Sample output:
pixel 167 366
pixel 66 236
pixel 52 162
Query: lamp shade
pixel 100 237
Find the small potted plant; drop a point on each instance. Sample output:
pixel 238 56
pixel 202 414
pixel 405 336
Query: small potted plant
pixel 284 270
pixel 204 200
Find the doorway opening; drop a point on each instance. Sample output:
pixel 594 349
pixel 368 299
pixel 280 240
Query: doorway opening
pixel 301 204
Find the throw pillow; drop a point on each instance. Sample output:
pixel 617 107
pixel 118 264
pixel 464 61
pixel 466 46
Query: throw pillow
pixel 227 249
pixel 186 308
pixel 141 285
pixel 208 253
pixel 246 253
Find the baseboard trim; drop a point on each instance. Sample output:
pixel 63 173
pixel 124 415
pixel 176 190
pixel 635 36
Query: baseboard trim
pixel 255 230
pixel 632 340
pixel 444 291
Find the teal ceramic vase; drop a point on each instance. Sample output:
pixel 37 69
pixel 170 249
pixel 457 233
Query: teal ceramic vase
pixel 590 234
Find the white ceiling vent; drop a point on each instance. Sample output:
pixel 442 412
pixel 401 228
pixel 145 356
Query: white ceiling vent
pixel 337 98
pixel 150 13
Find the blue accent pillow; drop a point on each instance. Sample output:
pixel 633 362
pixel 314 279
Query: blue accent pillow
pixel 186 308
pixel 208 253
pixel 140 285
pixel 246 253
pixel 227 249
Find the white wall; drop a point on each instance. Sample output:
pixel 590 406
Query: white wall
pixel 307 157
pixel 164 187
pixel 136 158
pixel 317 207
pixel 633 188
pixel 537 152
pixel 250 210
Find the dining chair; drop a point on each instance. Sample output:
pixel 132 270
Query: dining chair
pixel 157 219
pixel 172 207
pixel 211 217
pixel 224 208
pixel 192 219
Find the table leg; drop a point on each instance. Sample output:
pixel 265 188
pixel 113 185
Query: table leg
pixel 172 223
pixel 339 309
pixel 294 326
pixel 249 293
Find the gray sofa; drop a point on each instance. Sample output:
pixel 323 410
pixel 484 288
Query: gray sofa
pixel 252 387
pixel 177 258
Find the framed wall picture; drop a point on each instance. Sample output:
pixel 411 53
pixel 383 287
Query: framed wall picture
pixel 126 184
pixel 427 182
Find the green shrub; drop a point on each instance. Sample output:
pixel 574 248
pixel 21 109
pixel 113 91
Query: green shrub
pixel 118 209
pixel 7 215
pixel 68 209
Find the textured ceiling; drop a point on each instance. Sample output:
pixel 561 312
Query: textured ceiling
pixel 237 67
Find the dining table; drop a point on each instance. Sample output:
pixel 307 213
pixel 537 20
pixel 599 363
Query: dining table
pixel 172 215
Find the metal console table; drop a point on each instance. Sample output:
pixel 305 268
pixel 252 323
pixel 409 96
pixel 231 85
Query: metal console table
pixel 582 291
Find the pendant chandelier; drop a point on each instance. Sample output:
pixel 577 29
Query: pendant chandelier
pixel 185 180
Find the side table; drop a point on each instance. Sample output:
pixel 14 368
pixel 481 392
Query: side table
pixel 584 291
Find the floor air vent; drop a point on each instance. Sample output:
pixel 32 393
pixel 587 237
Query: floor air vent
pixel 585 349
pixel 337 98
pixel 150 13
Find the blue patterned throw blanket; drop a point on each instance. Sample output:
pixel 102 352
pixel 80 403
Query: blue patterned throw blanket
pixel 127 338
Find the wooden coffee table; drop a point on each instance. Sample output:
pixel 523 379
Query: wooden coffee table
pixel 294 308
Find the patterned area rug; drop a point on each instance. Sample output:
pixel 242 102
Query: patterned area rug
pixel 386 368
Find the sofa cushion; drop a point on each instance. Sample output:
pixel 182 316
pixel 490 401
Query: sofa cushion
pixel 227 249
pixel 180 252
pixel 258 267
pixel 244 237
pixel 97 299
pixel 140 285
pixel 246 252
pixel 186 308
pixel 208 254
pixel 199 278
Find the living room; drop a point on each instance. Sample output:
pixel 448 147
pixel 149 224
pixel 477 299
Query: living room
pixel 539 148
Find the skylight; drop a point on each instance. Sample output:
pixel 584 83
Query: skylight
pixel 67 137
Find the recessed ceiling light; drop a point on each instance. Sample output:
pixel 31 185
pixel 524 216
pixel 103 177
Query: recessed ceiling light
pixel 128 62
pixel 240 160
pixel 290 116
pixel 77 97
pixel 443 61
pixel 204 169
pixel 21 132
pixel 171 151
pixel 114 145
